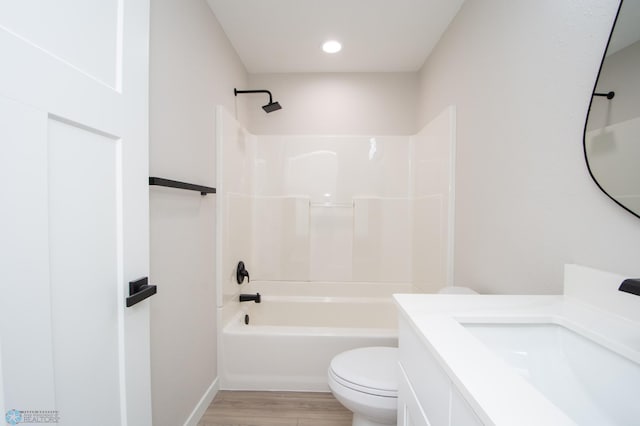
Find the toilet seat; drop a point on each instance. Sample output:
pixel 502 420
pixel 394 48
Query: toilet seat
pixel 371 370
pixel 363 389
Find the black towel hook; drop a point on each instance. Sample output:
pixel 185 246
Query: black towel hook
pixel 608 95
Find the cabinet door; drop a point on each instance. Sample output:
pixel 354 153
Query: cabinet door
pixel 428 380
pixel 409 411
pixel 461 412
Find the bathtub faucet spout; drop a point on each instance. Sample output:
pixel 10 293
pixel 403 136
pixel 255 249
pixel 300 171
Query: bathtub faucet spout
pixel 250 298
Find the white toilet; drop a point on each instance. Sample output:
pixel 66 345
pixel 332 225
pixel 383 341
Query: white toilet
pixel 365 380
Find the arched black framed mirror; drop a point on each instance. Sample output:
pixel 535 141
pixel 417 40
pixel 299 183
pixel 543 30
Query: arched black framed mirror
pixel 612 128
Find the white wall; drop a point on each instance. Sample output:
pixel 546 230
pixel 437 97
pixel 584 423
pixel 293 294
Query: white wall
pixel 521 75
pixel 333 103
pixel 193 68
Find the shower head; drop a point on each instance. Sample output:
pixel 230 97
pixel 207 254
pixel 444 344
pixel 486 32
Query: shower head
pixel 270 107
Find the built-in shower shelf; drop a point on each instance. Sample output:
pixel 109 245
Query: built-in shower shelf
pixel 330 205
pixel 203 190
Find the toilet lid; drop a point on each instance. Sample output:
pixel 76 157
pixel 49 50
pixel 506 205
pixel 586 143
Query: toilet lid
pixel 371 370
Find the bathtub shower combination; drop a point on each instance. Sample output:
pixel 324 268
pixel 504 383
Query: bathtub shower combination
pixel 328 228
pixel 290 339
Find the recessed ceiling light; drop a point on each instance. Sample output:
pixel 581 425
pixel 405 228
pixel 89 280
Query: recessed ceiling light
pixel 331 46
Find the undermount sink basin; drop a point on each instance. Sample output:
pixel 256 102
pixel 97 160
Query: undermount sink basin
pixel 590 383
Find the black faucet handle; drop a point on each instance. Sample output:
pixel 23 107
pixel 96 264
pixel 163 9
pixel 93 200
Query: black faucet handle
pixel 242 272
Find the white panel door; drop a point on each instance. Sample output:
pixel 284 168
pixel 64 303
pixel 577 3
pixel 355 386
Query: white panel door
pixel 73 212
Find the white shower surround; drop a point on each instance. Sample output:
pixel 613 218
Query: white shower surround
pixel 336 208
pixel 344 207
pixel 315 218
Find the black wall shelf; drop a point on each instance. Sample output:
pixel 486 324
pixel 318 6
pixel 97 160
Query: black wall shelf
pixel 203 190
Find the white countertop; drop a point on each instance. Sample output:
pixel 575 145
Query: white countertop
pixel 497 394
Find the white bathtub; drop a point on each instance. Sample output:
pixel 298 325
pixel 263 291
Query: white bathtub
pixel 290 339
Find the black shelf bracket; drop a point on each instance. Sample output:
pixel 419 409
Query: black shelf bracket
pixel 140 290
pixel 203 190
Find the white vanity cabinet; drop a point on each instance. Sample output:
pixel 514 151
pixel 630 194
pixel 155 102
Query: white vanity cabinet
pixel 426 395
pixel 506 360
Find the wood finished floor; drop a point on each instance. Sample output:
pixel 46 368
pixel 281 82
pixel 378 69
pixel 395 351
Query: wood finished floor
pixel 243 408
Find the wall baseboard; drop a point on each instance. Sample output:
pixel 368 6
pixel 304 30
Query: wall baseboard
pixel 203 404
